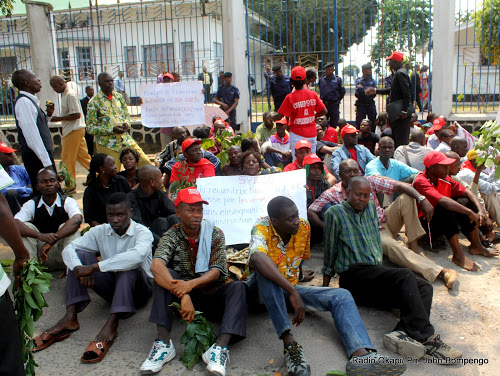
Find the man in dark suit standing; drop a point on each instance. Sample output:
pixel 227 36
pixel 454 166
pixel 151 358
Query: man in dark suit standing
pixel 416 87
pixel 89 90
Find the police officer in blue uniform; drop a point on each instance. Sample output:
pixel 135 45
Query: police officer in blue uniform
pixel 227 98
pixel 280 86
pixel 331 93
pixel 365 105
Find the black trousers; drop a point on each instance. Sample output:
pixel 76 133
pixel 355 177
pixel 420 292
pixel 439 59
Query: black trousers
pixel 333 113
pixel 159 226
pixel 363 110
pixel 227 304
pixel 385 287
pixel 401 131
pixel 33 165
pixel 448 223
pixel 90 143
pixel 15 200
pixel 11 359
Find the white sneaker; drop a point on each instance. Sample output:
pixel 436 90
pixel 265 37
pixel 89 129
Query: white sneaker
pixel 160 354
pixel 399 342
pixel 216 358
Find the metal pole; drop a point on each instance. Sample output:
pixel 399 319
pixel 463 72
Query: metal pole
pixel 335 36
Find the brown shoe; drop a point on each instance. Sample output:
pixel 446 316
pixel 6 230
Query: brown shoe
pixel 450 278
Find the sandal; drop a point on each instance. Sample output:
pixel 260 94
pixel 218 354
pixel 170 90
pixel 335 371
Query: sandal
pixel 46 339
pixel 96 351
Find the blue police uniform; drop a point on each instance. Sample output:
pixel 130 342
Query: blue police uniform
pixel 279 89
pixel 228 94
pixel 365 105
pixel 331 93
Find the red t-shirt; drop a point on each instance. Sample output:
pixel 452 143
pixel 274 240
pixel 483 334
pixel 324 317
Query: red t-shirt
pixel 445 188
pixel 354 154
pixel 202 169
pixel 301 107
pixel 331 135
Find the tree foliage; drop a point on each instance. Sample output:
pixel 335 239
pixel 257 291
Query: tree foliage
pixel 306 26
pixel 486 25
pixel 6 6
pixel 405 26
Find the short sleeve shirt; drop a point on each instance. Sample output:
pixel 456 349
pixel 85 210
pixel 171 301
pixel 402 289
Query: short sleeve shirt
pixel 287 257
pixel 70 104
pixel 445 188
pixel 301 107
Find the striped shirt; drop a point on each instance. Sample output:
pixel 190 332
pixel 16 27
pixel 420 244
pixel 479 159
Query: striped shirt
pixel 351 238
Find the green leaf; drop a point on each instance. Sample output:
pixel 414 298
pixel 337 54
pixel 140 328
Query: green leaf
pixel 176 305
pixel 184 338
pixel 203 339
pixel 26 288
pixel 7 263
pixel 30 301
pixel 199 349
pixel 30 329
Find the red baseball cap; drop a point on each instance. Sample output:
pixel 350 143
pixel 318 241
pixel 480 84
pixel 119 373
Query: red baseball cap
pixel 189 196
pixel 311 159
pixel 436 157
pixel 302 144
pixel 282 121
pixel 298 73
pixel 169 75
pixel 398 56
pixel 190 141
pixel 437 124
pixel 5 149
pixel 348 129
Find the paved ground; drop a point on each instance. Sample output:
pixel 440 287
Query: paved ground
pixel 466 317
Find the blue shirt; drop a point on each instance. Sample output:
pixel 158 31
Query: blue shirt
pixel 279 89
pixel 21 180
pixel 228 94
pixel 361 85
pixel 363 154
pixel 397 170
pixel 331 89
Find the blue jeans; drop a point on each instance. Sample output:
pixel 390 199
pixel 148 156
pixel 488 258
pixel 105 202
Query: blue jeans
pixel 338 301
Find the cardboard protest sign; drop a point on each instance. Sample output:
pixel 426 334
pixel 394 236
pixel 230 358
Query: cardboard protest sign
pixel 172 104
pixel 237 202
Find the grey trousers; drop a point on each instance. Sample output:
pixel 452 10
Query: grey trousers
pixel 125 290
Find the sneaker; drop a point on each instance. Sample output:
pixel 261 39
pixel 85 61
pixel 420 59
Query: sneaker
pixel 216 358
pixel 296 362
pixel 374 364
pixel 160 354
pixel 435 348
pixel 402 344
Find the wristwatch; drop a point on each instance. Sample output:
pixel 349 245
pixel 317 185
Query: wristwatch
pixel 420 199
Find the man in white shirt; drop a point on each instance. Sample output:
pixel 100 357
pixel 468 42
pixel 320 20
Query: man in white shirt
pixel 446 137
pixel 121 278
pixel 49 222
pixel 120 87
pixel 74 146
pixel 33 131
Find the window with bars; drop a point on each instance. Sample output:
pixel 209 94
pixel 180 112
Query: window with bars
pixel 84 61
pixel 187 57
pixel 131 65
pixel 158 58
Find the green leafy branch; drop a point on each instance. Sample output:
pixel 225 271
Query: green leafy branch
pixel 488 146
pixel 29 303
pixel 197 338
pixel 69 180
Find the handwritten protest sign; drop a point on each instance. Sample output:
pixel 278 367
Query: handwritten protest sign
pixel 237 202
pixel 172 104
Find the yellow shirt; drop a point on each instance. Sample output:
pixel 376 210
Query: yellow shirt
pixel 287 257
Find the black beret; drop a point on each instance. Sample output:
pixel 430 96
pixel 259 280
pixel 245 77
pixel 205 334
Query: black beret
pixel 329 64
pixel 276 67
pixel 228 74
pixel 367 66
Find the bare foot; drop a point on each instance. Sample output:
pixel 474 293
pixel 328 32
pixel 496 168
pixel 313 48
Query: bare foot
pixel 488 252
pixel 466 264
pixel 64 324
pixel 109 331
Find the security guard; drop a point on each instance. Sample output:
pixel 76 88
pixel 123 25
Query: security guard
pixel 331 93
pixel 365 105
pixel 280 86
pixel 227 97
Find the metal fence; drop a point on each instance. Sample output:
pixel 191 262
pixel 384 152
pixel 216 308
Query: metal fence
pixel 14 54
pixel 140 41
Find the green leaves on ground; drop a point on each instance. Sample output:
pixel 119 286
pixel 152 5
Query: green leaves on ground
pixel 29 304
pixel 197 338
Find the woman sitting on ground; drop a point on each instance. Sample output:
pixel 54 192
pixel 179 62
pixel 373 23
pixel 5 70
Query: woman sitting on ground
pixel 102 182
pixel 252 164
pixel 130 161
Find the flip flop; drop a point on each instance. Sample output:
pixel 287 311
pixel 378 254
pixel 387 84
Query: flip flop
pixel 46 339
pixel 96 351
pixel 336 373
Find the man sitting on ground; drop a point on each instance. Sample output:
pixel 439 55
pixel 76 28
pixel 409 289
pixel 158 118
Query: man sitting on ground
pixel 366 137
pixel 353 250
pixel 323 147
pixel 459 145
pixel 384 165
pixel 350 149
pixel 303 148
pixel 278 247
pixel 19 192
pixel 121 278
pixel 413 154
pixel 451 217
pixel 173 148
pixel 276 149
pixel 233 167
pixel 265 129
pixel 190 266
pixel 150 205
pixel 49 221
pixel 402 211
pixel 438 124
pixel 446 136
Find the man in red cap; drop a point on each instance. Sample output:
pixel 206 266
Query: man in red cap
pixel 400 95
pixel 350 149
pixel 276 149
pixel 19 192
pixel 194 166
pixel 435 132
pixel 190 267
pixel 451 217
pixel 302 107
